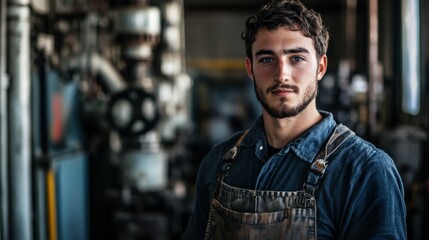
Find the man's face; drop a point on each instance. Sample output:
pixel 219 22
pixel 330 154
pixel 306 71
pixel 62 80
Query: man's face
pixel 285 71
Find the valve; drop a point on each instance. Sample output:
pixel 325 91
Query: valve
pixel 133 112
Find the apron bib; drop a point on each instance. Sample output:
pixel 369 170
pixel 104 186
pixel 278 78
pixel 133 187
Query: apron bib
pixel 237 213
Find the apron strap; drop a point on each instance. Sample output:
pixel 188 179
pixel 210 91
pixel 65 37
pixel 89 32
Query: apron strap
pixel 226 163
pixel 318 167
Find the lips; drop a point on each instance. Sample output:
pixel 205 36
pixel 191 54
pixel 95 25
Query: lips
pixel 283 89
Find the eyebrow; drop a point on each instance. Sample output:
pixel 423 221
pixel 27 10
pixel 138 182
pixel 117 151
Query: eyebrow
pixel 286 51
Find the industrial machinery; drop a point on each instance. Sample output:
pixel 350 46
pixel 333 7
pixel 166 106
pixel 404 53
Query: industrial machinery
pixel 95 107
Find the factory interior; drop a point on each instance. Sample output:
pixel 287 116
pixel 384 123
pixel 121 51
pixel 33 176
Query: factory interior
pixel 107 107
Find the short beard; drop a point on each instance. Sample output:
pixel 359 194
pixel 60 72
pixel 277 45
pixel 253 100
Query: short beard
pixel 310 94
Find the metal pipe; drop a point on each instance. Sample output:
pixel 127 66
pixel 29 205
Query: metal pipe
pixel 374 68
pixel 4 200
pixel 411 68
pixel 349 17
pixel 19 119
pixel 96 64
pixel 350 32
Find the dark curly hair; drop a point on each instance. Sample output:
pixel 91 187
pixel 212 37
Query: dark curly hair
pixel 290 13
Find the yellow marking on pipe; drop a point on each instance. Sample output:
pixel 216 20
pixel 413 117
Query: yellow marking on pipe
pixel 52 208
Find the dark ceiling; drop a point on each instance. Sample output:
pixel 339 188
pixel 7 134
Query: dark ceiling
pixel 253 4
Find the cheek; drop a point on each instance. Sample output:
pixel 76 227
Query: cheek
pixel 305 72
pixel 264 72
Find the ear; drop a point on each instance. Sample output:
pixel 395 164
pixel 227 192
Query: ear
pixel 323 64
pixel 249 68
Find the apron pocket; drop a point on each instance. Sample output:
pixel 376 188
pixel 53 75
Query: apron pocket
pixel 248 218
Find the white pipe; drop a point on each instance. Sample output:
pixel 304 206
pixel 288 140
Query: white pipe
pixel 411 68
pixel 96 64
pixel 19 119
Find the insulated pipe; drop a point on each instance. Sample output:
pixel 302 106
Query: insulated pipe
pixel 19 119
pixel 4 199
pixel 96 64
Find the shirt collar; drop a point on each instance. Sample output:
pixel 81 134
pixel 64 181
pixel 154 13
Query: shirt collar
pixel 306 146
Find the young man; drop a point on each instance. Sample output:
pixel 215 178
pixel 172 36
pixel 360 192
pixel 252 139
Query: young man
pixel 296 174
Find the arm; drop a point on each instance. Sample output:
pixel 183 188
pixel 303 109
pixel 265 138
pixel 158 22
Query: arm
pixel 376 207
pixel 198 220
pixel 205 181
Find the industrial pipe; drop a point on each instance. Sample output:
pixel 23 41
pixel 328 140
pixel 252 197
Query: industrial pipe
pixel 18 39
pixel 375 82
pixel 96 64
pixel 4 199
pixel 410 59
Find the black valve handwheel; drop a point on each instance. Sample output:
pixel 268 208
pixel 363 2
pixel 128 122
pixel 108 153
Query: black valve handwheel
pixel 133 112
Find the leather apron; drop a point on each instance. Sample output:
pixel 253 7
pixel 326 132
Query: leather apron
pixel 237 213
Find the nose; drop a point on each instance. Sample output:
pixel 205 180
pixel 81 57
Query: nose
pixel 282 73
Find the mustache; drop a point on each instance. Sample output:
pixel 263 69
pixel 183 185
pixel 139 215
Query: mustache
pixel 282 86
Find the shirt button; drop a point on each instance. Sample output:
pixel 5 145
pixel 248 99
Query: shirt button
pixel 260 148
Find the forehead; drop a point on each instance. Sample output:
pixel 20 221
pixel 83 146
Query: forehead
pixel 281 39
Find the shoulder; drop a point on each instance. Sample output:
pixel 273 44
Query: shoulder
pixel 363 154
pixel 361 176
pixel 358 165
pixel 228 142
pixel 209 164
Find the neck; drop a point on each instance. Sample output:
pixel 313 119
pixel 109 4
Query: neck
pixel 280 132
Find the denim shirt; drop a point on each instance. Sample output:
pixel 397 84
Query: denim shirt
pixel 361 195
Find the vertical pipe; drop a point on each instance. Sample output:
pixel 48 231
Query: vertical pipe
pixel 19 118
pixel 4 199
pixel 411 77
pixel 182 36
pixel 350 32
pixel 41 142
pixel 374 68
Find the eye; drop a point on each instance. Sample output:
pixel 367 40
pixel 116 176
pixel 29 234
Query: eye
pixel 297 59
pixel 266 60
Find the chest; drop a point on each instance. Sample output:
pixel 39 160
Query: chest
pixel 281 172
